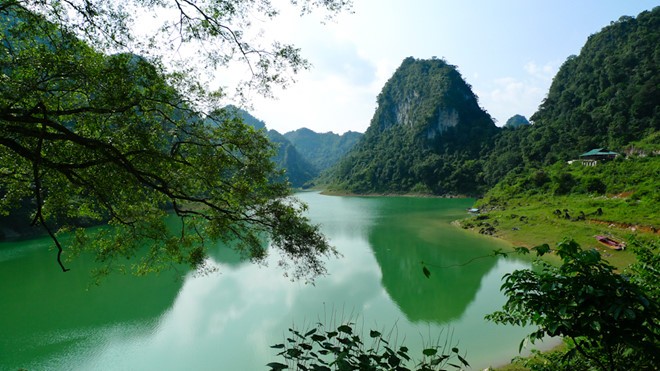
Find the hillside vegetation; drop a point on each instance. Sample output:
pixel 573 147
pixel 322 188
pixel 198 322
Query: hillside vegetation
pixel 606 97
pixel 620 199
pixel 426 136
pixel 322 150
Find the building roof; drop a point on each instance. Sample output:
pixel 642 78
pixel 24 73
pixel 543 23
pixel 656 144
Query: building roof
pixel 599 152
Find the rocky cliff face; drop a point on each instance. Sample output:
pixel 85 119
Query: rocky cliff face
pixel 446 119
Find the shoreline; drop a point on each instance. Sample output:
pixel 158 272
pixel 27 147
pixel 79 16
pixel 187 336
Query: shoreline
pixel 326 192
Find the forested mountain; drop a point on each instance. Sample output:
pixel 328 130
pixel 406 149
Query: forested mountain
pixel 322 149
pixel 298 170
pixel 516 121
pixel 246 117
pixel 605 97
pixel 427 135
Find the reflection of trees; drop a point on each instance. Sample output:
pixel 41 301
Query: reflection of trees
pixel 46 310
pixel 225 254
pixel 446 294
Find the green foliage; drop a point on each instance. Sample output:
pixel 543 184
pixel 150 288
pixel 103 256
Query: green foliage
pixel 343 349
pixel 428 132
pixel 607 97
pixel 609 318
pixel 553 360
pixel 217 32
pixel 645 272
pixel 287 158
pixel 635 176
pixel 322 150
pixel 516 121
pixel 107 138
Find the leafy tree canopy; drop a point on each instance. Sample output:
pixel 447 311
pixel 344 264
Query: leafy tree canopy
pixel 117 138
pixel 611 320
pixel 220 32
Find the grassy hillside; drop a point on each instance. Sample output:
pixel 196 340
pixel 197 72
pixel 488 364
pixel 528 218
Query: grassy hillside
pixel 620 198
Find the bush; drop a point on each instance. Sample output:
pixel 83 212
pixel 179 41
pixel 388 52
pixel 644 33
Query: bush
pixel 564 183
pixel 594 185
pixel 612 321
pixel 341 349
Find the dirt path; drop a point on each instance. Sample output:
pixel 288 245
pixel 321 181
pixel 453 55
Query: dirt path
pixel 631 227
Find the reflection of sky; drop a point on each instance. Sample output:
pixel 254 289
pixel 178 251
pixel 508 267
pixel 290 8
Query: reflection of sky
pixel 228 321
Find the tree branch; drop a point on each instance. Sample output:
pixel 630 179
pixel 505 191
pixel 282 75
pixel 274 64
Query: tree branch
pixel 39 216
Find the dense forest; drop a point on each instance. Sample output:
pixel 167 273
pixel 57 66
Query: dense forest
pixel 322 149
pixel 606 97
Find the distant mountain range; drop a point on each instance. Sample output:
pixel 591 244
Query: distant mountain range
pixel 322 149
pixel 303 154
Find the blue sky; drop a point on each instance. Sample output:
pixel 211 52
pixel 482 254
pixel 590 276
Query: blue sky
pixel 508 50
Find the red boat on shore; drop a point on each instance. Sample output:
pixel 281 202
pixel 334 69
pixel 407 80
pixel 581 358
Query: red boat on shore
pixel 611 243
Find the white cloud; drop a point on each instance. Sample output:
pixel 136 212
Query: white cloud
pixel 507 96
pixel 545 72
pixel 333 102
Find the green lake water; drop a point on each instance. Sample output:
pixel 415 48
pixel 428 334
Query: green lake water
pixel 51 320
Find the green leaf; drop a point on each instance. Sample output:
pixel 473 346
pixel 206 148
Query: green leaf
pixel 275 366
pixel 463 361
pixel 374 334
pixel 345 329
pixel 318 338
pixel 542 249
pixel 393 360
pixel 426 272
pixel 404 355
pixel 430 352
pixel 295 353
pixel 277 346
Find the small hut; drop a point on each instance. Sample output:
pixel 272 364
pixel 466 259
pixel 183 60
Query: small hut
pixel 592 157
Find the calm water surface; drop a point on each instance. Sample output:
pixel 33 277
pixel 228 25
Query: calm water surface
pixel 227 321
